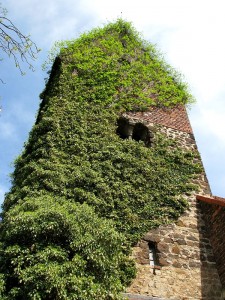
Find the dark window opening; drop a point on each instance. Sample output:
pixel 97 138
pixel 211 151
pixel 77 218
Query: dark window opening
pixel 124 129
pixel 141 133
pixel 129 129
pixel 153 259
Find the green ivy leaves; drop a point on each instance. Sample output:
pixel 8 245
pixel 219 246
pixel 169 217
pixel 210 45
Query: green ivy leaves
pixel 118 68
pixel 56 249
pixel 82 196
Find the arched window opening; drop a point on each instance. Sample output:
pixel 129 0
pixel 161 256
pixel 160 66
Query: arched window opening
pixel 141 133
pixel 131 129
pixel 124 129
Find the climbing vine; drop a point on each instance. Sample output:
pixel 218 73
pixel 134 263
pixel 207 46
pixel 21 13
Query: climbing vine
pixel 82 196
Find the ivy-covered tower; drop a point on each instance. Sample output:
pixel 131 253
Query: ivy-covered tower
pixel 178 260
pixel 103 199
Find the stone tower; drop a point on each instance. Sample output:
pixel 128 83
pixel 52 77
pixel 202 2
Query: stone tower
pixel 111 172
pixel 183 260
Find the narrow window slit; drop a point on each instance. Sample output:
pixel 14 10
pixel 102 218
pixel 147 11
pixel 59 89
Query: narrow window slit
pixel 152 254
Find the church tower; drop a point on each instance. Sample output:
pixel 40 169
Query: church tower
pixel 109 198
pixel 182 260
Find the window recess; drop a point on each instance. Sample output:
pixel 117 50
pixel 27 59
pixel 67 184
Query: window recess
pixel 153 258
pixel 130 129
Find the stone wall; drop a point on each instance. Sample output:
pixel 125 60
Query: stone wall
pixel 215 220
pixel 186 266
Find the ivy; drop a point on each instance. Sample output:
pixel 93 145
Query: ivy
pixel 82 196
pixel 116 67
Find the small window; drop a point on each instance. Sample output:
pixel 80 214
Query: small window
pixel 129 129
pixel 153 260
pixel 124 128
pixel 141 133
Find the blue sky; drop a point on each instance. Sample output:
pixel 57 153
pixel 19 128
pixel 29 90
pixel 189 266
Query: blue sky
pixel 189 33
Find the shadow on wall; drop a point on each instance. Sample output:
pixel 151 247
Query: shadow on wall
pixel 210 281
pixel 213 209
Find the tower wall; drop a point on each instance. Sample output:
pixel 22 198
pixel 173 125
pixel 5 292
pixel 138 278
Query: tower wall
pixel 214 215
pixel 186 263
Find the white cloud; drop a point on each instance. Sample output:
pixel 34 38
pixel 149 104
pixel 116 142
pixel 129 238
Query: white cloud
pixel 51 20
pixel 189 32
pixel 215 122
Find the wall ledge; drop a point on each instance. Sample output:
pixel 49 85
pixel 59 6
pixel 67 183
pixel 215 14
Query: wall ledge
pixel 211 199
pixel 141 297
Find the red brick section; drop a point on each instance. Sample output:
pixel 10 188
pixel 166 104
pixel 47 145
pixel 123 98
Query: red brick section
pixel 175 117
pixel 212 199
pixel 214 213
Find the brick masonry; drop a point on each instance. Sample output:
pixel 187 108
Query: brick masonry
pixel 214 215
pixel 187 266
pixel 175 118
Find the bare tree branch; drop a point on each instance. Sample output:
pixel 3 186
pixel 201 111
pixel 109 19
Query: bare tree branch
pixel 15 44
